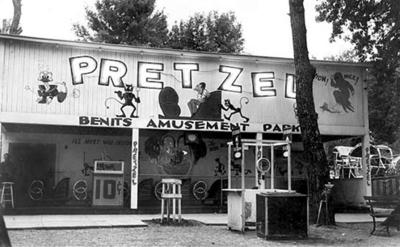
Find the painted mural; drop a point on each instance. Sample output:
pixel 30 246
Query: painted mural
pixel 343 95
pixel 45 91
pixel 227 106
pixel 165 153
pixel 128 99
pixel 92 86
pixel 175 154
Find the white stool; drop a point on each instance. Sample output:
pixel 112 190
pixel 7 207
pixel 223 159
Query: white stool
pixel 171 190
pixel 7 194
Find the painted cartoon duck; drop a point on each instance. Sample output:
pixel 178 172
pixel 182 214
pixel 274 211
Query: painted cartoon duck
pixel 46 91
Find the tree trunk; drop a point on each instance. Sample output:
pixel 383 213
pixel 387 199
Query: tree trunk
pixel 15 29
pixel 314 153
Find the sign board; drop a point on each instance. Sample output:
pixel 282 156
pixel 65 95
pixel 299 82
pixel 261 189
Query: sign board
pixel 100 85
pixel 108 183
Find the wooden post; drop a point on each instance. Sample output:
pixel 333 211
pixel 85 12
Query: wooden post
pixel 4 238
pixel 162 203
pixel 179 203
pixel 229 165
pixel 289 158
pixel 174 201
pixel 243 170
pixel 272 168
pixel 134 168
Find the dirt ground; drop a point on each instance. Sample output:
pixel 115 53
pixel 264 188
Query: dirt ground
pixel 200 235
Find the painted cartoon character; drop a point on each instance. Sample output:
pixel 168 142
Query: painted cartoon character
pixel 46 91
pixel 343 92
pixel 229 106
pixel 219 168
pixel 202 95
pixel 128 97
pixel 325 107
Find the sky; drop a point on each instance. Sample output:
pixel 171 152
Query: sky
pixel 265 23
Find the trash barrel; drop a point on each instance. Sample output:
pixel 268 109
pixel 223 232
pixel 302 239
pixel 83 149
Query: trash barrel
pixel 282 215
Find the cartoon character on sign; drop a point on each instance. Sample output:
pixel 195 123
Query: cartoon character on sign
pixel 46 91
pixel 202 95
pixel 234 110
pixel 343 91
pixel 127 98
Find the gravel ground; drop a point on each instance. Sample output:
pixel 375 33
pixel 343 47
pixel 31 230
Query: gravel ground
pixel 200 235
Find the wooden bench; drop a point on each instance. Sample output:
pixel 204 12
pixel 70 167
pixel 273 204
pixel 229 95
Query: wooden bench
pixel 380 208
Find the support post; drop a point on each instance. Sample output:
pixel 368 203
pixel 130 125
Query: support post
pixel 272 168
pixel 260 183
pixel 289 160
pixel 243 164
pixel 134 168
pixel 229 165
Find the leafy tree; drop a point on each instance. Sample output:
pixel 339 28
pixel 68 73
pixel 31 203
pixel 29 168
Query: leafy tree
pixel 345 56
pixel 132 22
pixel 373 27
pixel 314 152
pixel 214 32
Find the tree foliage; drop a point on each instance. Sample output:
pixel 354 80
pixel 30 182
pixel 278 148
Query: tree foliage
pixel 346 56
pixel 214 32
pixel 373 27
pixel 133 22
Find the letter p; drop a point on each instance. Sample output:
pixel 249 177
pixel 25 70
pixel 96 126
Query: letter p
pixel 81 66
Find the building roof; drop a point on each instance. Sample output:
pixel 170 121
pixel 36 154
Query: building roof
pixel 169 52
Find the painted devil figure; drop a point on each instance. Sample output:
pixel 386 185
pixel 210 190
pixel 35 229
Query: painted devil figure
pixel 228 106
pixel 126 98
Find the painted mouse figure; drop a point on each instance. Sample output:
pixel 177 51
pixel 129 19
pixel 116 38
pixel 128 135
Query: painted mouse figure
pixel 127 96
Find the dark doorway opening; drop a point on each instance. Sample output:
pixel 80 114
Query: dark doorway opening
pixel 33 161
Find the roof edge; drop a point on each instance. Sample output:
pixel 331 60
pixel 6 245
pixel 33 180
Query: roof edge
pixel 170 51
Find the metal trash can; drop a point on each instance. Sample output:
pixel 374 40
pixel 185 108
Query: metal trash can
pixel 282 215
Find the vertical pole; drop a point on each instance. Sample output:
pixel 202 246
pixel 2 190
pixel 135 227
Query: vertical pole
pixel 289 159
pixel 179 202
pixel 259 183
pixel 242 193
pixel 366 163
pixel 162 203
pixel 174 201
pixel 134 168
pixel 272 168
pixel 229 166
pixel 4 238
pixel 243 164
pixel 221 197
pixel 1 139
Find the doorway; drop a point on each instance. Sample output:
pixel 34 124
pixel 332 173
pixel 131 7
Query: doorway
pixel 33 162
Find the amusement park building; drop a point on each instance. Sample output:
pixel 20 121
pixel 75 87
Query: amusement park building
pixel 98 125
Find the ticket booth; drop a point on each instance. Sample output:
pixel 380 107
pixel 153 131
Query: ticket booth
pixel 108 183
pixel 242 200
